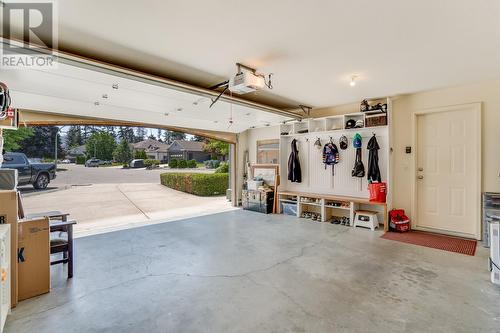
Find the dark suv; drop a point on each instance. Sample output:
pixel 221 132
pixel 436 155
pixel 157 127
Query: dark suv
pixel 37 174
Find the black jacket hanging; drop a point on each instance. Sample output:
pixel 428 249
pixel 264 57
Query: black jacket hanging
pixel 294 171
pixel 373 169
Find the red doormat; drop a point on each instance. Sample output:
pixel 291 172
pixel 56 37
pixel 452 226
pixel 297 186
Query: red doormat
pixel 440 242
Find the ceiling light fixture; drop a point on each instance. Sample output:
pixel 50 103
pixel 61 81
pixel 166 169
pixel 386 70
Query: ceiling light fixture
pixel 166 113
pixel 105 96
pixel 353 80
pixel 96 103
pixel 115 86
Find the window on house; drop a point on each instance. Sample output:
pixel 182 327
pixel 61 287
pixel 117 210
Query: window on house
pixel 268 151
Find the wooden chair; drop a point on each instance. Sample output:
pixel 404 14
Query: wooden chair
pixel 61 241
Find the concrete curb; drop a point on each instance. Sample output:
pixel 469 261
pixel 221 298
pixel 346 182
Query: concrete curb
pixel 30 194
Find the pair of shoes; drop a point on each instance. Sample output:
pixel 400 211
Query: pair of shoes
pixel 335 220
pixel 346 221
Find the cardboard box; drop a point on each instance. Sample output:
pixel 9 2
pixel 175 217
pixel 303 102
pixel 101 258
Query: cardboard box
pixel 8 215
pixel 33 258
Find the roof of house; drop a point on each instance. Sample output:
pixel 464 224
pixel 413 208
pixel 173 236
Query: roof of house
pixel 151 145
pixel 190 145
pixel 80 150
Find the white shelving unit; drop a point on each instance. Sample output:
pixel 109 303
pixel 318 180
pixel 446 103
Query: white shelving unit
pixel 320 180
pixel 327 211
pixel 329 124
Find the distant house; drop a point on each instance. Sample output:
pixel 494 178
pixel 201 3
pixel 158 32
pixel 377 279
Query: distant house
pixel 154 149
pixel 74 152
pixel 188 150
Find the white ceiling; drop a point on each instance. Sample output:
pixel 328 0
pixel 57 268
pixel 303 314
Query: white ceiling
pixel 312 47
pixel 73 90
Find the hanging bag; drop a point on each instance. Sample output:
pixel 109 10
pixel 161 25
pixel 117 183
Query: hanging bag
pixel 359 168
pixel 330 155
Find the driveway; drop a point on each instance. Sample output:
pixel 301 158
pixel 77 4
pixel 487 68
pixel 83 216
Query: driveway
pixel 109 199
pixel 77 175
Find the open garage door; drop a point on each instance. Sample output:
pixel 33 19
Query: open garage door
pixel 83 92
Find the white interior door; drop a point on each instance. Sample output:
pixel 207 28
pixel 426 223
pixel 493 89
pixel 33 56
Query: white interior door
pixel 448 168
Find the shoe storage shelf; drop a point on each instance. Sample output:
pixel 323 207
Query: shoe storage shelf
pixel 325 206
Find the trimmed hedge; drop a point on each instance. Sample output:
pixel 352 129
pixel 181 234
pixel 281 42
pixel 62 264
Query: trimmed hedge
pixel 149 162
pixel 191 164
pixel 81 159
pixel 173 163
pixel 182 164
pixel 201 184
pixel 223 168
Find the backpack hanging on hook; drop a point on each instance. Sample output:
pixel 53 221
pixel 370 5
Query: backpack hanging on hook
pixel 330 155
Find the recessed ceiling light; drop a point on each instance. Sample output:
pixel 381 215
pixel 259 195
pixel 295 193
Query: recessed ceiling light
pixel 105 96
pixel 179 109
pixel 216 121
pixel 166 113
pixel 247 114
pixel 96 103
pixel 115 86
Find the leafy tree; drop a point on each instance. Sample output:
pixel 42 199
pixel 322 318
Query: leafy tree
pixel 152 137
pixel 87 131
pixel 126 133
pixel 140 133
pixel 111 130
pixel 140 154
pixel 171 136
pixel 198 138
pixel 122 153
pixel 101 145
pixel 41 143
pixel 217 148
pixel 74 137
pixel 13 138
pixel 159 134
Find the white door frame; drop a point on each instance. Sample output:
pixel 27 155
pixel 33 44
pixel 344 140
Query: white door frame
pixel 413 174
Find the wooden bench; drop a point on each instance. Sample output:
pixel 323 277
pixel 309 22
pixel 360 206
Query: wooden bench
pixel 324 198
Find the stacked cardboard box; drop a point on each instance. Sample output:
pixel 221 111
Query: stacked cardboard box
pixel 30 250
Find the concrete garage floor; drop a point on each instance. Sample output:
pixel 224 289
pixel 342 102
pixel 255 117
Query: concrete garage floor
pixel 246 272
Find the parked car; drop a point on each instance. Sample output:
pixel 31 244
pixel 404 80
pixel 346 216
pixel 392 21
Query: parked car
pixel 93 162
pixel 138 163
pixel 37 174
pixel 66 161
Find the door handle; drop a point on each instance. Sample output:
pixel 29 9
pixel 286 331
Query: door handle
pixel 420 177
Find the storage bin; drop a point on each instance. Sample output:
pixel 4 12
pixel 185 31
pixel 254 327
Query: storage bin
pixel 257 201
pixel 376 120
pixel 289 208
pixel 253 185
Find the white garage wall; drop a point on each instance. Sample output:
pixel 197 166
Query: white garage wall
pixel 258 134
